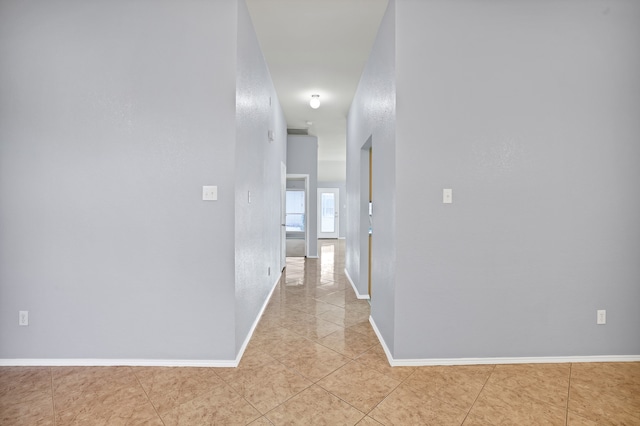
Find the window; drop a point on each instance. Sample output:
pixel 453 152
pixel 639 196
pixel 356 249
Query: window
pixel 295 217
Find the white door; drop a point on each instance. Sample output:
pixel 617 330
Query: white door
pixel 328 212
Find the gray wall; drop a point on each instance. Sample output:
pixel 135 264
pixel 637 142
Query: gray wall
pixel 112 117
pixel 302 158
pixel 372 117
pixel 342 209
pixel 257 224
pixel 529 112
pixel 332 170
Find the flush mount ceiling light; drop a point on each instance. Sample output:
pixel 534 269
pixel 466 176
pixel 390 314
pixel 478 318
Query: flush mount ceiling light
pixel 315 101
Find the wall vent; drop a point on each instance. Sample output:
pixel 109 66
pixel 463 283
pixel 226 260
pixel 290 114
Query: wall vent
pixel 297 131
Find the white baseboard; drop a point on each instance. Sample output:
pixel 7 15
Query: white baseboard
pixel 387 352
pixel 497 360
pixel 513 360
pixel 93 362
pixel 355 290
pixel 256 322
pixel 342 238
pixel 312 257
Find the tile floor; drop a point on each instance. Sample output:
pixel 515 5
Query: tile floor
pixel 314 360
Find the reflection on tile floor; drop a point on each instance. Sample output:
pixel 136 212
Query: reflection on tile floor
pixel 314 360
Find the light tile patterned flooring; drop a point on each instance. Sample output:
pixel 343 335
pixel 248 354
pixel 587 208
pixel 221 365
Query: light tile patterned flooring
pixel 314 360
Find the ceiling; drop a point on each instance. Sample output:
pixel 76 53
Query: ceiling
pixel 318 47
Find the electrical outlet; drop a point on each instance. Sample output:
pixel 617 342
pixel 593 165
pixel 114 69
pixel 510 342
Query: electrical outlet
pixel 602 317
pixel 23 318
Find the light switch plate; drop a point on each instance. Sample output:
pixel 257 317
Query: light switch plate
pixel 209 193
pixel 602 317
pixel 447 196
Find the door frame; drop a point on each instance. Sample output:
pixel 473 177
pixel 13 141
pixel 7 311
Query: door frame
pixel 336 233
pixel 283 214
pixel 365 223
pixel 304 177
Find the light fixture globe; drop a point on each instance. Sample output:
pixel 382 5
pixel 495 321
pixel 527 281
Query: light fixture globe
pixel 315 101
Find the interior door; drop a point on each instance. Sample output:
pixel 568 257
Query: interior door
pixel 328 212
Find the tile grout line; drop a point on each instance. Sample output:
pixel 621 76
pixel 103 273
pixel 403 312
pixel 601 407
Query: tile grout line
pixel 252 405
pixel 53 402
pixel 389 394
pixel 478 396
pixel 342 399
pixel 566 415
pixel 147 395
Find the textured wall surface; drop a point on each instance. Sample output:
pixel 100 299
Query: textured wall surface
pixel 257 224
pixel 530 112
pixel 112 117
pixel 372 117
pixel 302 158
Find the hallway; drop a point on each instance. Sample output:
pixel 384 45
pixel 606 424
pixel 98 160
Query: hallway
pixel 314 360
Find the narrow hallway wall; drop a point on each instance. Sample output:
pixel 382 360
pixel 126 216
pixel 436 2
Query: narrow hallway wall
pixel 257 167
pixel 372 116
pixel 302 158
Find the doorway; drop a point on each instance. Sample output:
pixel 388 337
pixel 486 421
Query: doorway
pixel 283 216
pixel 296 213
pixel 328 212
pixel 370 215
pixel 366 214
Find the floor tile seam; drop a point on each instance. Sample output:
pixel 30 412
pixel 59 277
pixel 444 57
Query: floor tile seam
pixel 281 403
pixel 122 371
pixel 261 414
pixel 478 395
pixel 531 380
pixel 443 401
pixel 155 409
pixel 607 415
pixel 519 388
pixel 332 322
pixel 295 370
pixel 328 374
pixel 604 385
pixel 385 397
pixel 186 401
pixel 332 304
pixel 566 417
pixel 612 393
pixel 374 369
pixel 233 389
pixel 381 372
pixel 345 401
pixel 532 399
pixel 310 386
pixel 286 367
pixel 53 401
pixel 358 355
pixel 594 419
pixel 339 353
